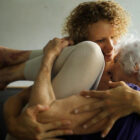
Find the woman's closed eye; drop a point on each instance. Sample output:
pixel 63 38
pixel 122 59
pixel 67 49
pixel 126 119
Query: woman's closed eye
pixel 100 41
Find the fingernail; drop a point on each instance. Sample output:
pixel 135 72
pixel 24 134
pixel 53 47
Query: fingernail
pixel 103 135
pixel 87 96
pixel 85 126
pixel 76 111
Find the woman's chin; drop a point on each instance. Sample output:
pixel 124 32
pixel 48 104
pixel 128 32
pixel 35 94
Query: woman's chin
pixel 108 59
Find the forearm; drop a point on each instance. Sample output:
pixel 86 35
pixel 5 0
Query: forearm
pixel 13 107
pixel 42 92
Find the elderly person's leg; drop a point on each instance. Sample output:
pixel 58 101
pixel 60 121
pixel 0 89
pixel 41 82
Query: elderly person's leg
pixel 12 63
pixel 75 57
pixel 10 57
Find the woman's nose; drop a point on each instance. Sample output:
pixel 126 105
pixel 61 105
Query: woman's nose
pixel 110 45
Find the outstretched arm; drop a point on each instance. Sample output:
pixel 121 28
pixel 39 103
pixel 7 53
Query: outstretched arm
pixel 114 103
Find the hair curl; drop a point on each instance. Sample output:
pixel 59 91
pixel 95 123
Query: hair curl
pixel 76 24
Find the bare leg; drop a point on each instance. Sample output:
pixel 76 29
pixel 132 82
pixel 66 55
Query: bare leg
pixel 10 74
pixel 11 57
pixel 12 64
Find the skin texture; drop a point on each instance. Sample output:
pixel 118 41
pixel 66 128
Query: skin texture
pixel 11 57
pixel 59 109
pixel 102 33
pixel 10 61
pixel 41 93
pixel 112 105
pixel 104 36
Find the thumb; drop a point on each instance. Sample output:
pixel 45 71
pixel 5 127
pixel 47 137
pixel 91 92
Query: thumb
pixel 41 108
pixel 115 84
pixel 38 108
pixel 70 41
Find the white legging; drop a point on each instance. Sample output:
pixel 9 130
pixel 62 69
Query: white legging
pixel 77 68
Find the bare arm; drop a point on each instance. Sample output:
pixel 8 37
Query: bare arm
pixel 25 123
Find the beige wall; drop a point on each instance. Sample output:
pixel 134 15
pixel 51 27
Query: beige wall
pixel 29 24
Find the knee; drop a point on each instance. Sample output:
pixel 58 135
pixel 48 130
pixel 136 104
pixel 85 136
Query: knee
pixel 90 50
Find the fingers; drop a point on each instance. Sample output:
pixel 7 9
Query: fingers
pixel 34 110
pixel 56 45
pixel 69 40
pixel 116 84
pixel 93 107
pixel 109 126
pixel 55 133
pixel 95 94
pixel 39 108
pixel 56 125
pixel 54 139
pixel 52 130
pixel 97 118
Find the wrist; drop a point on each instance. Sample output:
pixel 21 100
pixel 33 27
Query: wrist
pixel 47 63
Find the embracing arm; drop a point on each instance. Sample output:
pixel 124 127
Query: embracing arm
pixel 114 103
pixel 63 109
pixel 25 123
pixel 14 104
pixel 13 117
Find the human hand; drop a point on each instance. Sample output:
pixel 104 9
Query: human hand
pixel 110 105
pixel 27 127
pixel 71 42
pixel 56 45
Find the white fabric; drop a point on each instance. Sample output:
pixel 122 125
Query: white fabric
pixel 35 53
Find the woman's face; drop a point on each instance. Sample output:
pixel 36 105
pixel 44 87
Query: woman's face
pixel 102 33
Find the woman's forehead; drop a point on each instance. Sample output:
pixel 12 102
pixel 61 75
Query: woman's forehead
pixel 101 29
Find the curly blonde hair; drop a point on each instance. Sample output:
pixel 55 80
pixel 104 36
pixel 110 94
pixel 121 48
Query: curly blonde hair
pixel 87 13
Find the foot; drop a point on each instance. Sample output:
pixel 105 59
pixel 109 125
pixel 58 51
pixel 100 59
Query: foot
pixel 10 74
pixel 9 57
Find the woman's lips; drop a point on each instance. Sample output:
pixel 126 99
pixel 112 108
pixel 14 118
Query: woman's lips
pixel 108 57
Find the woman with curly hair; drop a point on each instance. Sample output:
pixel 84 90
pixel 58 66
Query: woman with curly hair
pixel 95 28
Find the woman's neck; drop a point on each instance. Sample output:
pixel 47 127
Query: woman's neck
pixel 108 65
